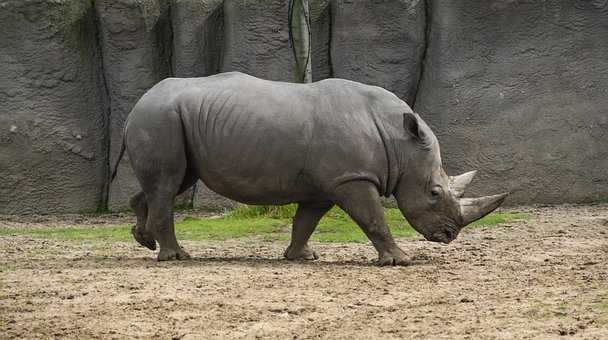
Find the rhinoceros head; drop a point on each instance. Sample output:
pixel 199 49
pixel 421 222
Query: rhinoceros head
pixel 430 199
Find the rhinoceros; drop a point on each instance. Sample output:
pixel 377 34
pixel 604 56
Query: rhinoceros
pixel 261 142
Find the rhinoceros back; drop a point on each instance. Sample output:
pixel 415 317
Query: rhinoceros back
pixel 265 142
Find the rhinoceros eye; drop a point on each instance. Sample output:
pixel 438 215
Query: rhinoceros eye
pixel 436 191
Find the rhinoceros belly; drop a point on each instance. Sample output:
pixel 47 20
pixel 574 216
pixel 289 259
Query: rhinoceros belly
pixel 251 146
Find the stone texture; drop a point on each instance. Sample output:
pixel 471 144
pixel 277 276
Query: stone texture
pixel 52 150
pixel 379 42
pixel 197 34
pixel 256 39
pixel 515 89
pixel 207 200
pixel 320 12
pixel 135 39
pixel 519 91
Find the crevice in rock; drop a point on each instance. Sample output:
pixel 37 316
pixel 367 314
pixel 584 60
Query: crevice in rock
pixel 427 36
pixel 107 103
pixel 213 42
pixel 330 30
pixel 166 40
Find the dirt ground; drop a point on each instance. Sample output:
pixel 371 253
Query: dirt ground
pixel 545 277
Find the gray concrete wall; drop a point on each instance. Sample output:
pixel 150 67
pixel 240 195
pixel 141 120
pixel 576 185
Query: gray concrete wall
pixel 134 39
pixel 53 118
pixel 379 43
pixel 517 90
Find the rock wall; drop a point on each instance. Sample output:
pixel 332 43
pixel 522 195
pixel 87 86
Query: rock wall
pixel 134 38
pixel 519 91
pixel 320 13
pixel 52 115
pixel 379 43
pixel 197 35
pixel 256 39
pixel 515 89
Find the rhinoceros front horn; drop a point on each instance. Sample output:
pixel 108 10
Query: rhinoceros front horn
pixel 459 183
pixel 472 209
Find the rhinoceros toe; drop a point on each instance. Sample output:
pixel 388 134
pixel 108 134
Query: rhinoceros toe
pixel 304 253
pixel 143 238
pixel 168 254
pixel 394 258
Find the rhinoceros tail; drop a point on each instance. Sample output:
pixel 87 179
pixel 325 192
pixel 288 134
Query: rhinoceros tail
pixel 120 154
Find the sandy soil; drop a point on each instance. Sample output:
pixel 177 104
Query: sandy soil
pixel 543 278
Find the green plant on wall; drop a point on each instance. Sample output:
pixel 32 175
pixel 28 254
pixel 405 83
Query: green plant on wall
pixel 300 36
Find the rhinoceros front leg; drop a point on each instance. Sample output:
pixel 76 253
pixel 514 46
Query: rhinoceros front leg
pixel 361 201
pixel 304 223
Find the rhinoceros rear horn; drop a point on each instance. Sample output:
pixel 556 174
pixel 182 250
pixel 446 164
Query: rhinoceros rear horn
pixel 459 183
pixel 472 209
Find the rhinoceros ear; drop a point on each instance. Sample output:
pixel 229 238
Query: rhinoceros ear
pixel 412 126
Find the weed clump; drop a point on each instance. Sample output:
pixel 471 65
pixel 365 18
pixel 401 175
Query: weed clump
pixel 267 211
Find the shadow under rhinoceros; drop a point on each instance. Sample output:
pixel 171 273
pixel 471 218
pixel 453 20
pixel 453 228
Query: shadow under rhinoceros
pixel 124 262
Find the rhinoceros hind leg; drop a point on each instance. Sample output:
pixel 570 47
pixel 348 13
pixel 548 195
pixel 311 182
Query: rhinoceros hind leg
pixel 157 152
pixel 160 222
pixel 361 201
pixel 143 237
pixel 174 250
pixel 304 223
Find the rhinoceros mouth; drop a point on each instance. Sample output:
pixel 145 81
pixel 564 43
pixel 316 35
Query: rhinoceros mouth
pixel 443 236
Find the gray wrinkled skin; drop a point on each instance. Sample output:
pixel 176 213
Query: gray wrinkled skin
pixel 333 142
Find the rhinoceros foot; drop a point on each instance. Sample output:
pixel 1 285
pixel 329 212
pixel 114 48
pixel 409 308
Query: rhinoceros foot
pixel 143 238
pixel 170 254
pixel 303 253
pixel 395 257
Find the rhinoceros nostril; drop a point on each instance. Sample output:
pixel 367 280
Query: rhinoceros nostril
pixel 443 236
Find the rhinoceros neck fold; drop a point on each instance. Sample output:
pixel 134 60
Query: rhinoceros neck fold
pixel 387 187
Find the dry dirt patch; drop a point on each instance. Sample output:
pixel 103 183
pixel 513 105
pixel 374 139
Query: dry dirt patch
pixel 546 277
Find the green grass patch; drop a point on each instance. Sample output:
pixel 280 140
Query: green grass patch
pixel 271 223
pixel 498 218
pixel 541 311
pixel 113 233
pixel 336 226
pixel 270 211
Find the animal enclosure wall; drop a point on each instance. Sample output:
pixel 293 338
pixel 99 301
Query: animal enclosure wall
pixel 515 89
